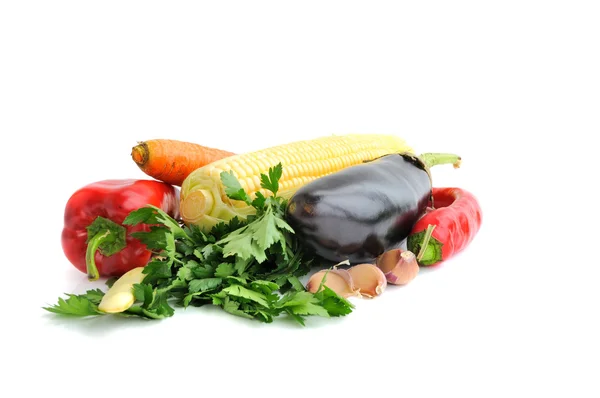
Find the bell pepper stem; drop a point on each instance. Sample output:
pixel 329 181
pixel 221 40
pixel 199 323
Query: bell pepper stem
pixel 106 236
pixel 90 254
pixel 434 159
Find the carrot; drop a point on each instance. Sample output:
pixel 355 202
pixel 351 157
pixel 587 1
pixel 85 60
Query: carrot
pixel 171 161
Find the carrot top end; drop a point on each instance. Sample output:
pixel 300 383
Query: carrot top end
pixel 139 153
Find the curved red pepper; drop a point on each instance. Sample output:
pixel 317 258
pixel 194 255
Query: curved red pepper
pixel 94 239
pixel 447 228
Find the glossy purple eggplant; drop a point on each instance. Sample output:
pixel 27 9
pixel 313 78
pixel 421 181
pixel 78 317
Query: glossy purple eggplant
pixel 360 212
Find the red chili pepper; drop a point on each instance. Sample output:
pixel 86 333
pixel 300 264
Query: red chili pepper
pixel 94 239
pixel 447 228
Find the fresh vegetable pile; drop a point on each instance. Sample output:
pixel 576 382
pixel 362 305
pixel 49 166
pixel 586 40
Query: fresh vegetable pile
pixel 244 230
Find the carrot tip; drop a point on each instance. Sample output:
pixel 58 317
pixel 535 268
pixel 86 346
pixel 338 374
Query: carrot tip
pixel 139 153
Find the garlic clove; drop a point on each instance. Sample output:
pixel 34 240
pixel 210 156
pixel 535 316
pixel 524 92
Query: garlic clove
pixel 120 296
pixel 368 279
pixel 338 280
pixel 388 260
pixel 399 267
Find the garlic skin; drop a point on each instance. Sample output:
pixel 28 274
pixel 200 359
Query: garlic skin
pixel 400 267
pixel 362 280
pixel 338 280
pixel 369 280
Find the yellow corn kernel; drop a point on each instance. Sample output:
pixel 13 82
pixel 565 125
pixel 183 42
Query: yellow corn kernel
pixel 302 161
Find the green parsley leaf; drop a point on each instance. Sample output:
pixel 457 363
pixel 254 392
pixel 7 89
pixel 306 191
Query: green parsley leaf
pixel 296 317
pixel 198 254
pixel 237 279
pixel 265 232
pixel 78 305
pixel 303 303
pixel 94 296
pixel 185 274
pixel 192 298
pixel 240 291
pixel 266 287
pixel 202 285
pixel 241 265
pixel 150 214
pixel 205 271
pixel 241 243
pixel 156 270
pixel 111 281
pixel 232 307
pixel 282 224
pixel 271 182
pixel 253 240
pixel 156 238
pixel 263 315
pixel 144 293
pixel 219 229
pixel 233 188
pixel 156 308
pixel 224 269
pixel 296 284
pixel 335 304
pixel 259 201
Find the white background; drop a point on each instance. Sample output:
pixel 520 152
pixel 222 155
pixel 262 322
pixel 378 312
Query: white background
pixel 511 86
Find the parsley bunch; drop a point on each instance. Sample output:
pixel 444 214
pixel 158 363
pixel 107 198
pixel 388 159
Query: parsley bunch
pixel 248 268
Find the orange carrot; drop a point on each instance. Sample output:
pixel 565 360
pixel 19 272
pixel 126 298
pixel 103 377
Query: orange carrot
pixel 171 161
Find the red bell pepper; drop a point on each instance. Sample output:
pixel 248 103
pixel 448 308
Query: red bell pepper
pixel 94 239
pixel 447 227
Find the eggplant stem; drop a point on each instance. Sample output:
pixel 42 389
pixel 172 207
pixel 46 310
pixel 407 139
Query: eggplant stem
pixel 433 159
pixel 425 242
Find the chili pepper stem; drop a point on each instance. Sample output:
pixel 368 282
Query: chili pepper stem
pixel 425 242
pixel 90 254
pixel 433 159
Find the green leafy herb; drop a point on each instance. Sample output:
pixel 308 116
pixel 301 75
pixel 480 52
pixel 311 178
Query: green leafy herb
pixel 271 182
pixel 113 235
pixel 248 268
pixel 233 188
pixel 78 305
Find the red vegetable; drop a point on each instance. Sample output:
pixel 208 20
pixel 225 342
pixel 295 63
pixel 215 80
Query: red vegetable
pixel 94 239
pixel 447 228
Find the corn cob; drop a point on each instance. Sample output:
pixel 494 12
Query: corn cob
pixel 203 199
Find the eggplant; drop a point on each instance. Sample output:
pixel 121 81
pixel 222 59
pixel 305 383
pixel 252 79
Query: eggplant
pixel 362 211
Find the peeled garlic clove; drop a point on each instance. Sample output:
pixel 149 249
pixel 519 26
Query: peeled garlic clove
pixel 399 267
pixel 120 296
pixel 368 279
pixel 338 280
